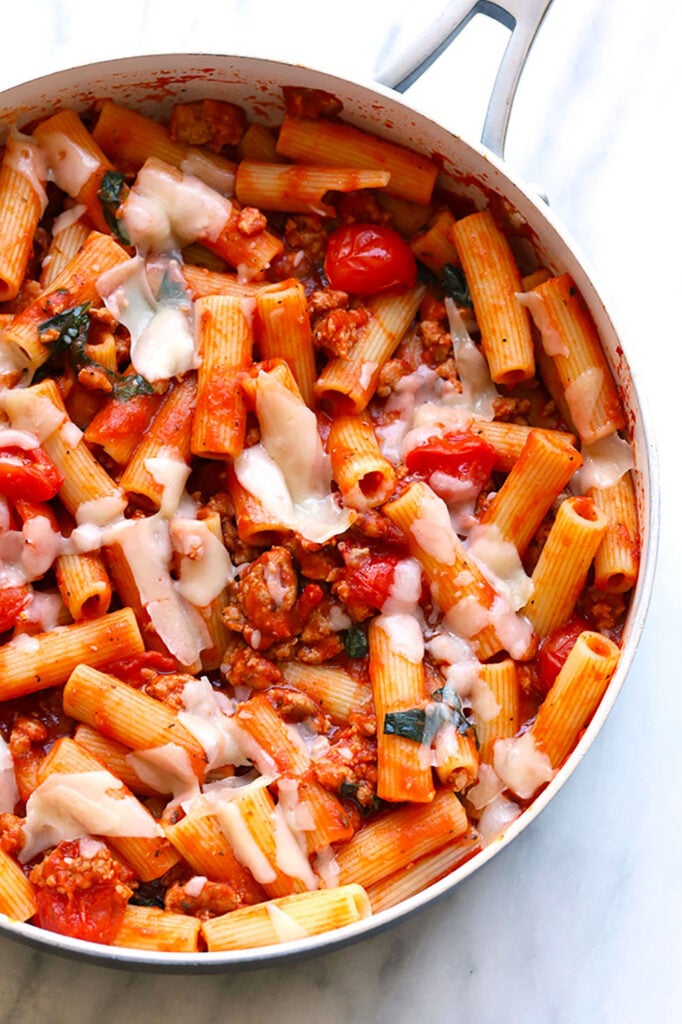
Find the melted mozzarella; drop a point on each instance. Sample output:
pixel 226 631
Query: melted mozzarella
pixel 246 849
pixel 65 806
pixel 521 765
pixel 327 867
pixel 207 715
pixel 284 926
pixel 167 769
pixel 165 210
pixel 488 787
pixel 290 855
pixel 316 519
pixel 9 794
pixel 582 394
pixel 161 327
pixel 195 886
pixel 499 561
pixel 69 165
pixel 604 463
pixel 478 391
pixel 404 635
pixel 31 413
pixel 496 817
pixel 552 342
pixel 66 220
pixel 28 159
pixel 147 548
pixel 206 569
pixel 102 511
pixel 433 531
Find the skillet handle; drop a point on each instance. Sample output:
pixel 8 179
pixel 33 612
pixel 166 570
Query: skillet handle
pixel 522 17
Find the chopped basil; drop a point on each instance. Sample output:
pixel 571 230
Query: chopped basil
pixel 72 328
pixel 109 195
pixel 355 642
pixel 127 386
pixel 455 285
pixel 66 335
pixel 408 724
pixel 422 724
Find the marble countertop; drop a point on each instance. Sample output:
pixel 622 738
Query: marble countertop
pixel 579 919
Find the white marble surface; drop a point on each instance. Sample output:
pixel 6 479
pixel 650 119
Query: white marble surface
pixel 580 918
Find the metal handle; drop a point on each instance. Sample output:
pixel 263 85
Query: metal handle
pixel 522 17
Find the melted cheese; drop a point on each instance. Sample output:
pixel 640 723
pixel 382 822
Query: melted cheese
pixel 31 413
pixel 521 765
pixel 478 391
pixel 9 794
pixel 488 787
pixel 206 569
pixel 10 438
pixel 167 769
pixel 404 633
pixel 165 210
pixel 327 867
pixel 171 473
pixel 246 849
pixel 161 326
pixel 195 886
pixel 207 715
pixel 102 511
pixel 290 855
pixel 316 519
pixel 66 220
pixel 433 531
pixel 552 341
pixel 582 394
pixel 499 561
pixel 147 548
pixel 65 806
pixel 69 165
pixel 26 158
pixel 604 463
pixel 283 924
pixel 496 817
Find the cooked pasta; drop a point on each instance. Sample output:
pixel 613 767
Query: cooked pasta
pixel 284 594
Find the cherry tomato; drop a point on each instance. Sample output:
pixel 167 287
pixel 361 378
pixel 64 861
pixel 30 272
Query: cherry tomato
pixel 461 455
pixel 371 582
pixel 92 914
pixel 555 648
pixel 366 258
pixel 13 600
pixel 28 474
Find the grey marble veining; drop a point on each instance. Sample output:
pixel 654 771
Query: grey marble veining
pixel 579 919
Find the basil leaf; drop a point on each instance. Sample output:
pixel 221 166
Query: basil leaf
pixel 109 195
pixel 408 724
pixel 455 285
pixel 127 386
pixel 72 328
pixel 355 642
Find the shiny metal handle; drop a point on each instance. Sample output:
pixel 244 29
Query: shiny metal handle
pixel 522 17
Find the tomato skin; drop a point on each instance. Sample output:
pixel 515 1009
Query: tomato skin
pixel 461 455
pixel 28 474
pixel 371 582
pixel 556 647
pixel 13 600
pixel 367 258
pixel 94 914
pixel 131 670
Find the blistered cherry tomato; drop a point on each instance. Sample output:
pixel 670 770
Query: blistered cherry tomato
pixel 370 584
pixel 28 474
pixel 366 258
pixel 555 648
pixel 92 914
pixel 464 456
pixel 13 600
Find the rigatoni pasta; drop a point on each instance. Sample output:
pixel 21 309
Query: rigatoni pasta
pixel 310 546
